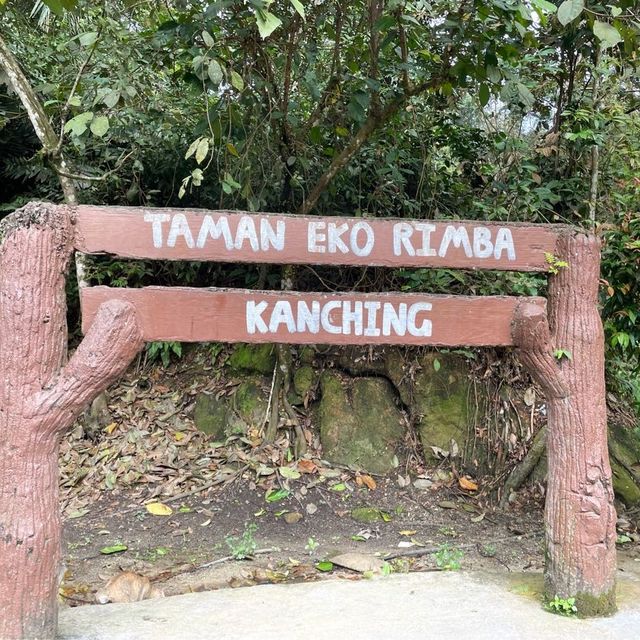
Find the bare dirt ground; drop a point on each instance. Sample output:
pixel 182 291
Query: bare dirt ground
pixel 245 513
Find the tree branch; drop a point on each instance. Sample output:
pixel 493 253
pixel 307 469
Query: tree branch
pixel 374 121
pixel 532 337
pixel 110 345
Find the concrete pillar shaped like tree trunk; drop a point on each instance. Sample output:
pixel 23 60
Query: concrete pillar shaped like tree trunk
pixel 564 351
pixel 40 396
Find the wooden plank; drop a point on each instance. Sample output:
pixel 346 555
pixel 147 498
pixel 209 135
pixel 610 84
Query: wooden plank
pixel 229 315
pixel 235 236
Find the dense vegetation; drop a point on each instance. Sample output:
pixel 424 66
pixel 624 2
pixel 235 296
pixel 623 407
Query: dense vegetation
pixel 485 109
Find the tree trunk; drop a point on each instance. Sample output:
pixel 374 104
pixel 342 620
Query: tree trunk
pixel 579 513
pixel 40 397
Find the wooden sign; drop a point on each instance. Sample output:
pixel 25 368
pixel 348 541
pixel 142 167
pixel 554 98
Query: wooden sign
pixel 233 236
pixel 220 315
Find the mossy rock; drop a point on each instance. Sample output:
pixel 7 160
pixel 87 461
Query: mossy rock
pixel 624 449
pixel 441 401
pixel 303 380
pixel 211 415
pixel 260 358
pixel 307 354
pixel 360 424
pixel 250 402
pixel 624 484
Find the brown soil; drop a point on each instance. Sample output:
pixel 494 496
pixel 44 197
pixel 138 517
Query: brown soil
pixel 150 451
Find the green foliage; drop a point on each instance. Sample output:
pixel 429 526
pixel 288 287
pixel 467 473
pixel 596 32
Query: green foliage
pixel 561 354
pixel 164 351
pixel 563 606
pixel 487 114
pixel 448 558
pixel 244 546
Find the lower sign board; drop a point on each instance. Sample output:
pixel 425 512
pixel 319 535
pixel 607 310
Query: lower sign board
pixel 222 315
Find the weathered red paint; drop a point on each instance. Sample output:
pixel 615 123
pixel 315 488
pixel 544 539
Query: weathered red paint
pixel 123 231
pixel 579 513
pixel 40 396
pixel 219 315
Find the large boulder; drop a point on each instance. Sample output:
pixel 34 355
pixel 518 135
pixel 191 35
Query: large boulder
pixel 360 423
pixel 624 450
pixel 440 402
pixel 221 416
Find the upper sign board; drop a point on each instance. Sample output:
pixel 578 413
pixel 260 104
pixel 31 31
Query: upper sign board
pixel 233 236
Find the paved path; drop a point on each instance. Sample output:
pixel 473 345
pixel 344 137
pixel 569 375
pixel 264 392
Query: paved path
pixel 420 606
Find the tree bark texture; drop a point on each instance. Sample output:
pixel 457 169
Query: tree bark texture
pixel 40 396
pixel 579 513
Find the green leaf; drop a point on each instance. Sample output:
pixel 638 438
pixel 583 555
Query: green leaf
pixel 79 124
pixel 526 97
pixel 325 565
pixel 214 71
pixel 236 81
pixel 615 11
pixel 543 5
pixel 341 486
pixel 275 496
pixel 436 364
pixel 197 177
pixel 99 126
pixel 192 148
pixel 111 99
pixel 208 40
pixel 608 35
pixel 202 150
pixel 569 10
pixel 116 548
pixel 484 94
pixel 298 6
pixel 88 39
pixel 267 23
pixel 289 473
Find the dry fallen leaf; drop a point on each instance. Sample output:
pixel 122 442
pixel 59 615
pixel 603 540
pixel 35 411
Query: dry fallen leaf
pixel 159 509
pixel 110 428
pixel 467 483
pixel 369 482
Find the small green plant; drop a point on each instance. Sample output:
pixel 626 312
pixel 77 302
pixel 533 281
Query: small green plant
pixel 554 263
pixel 563 606
pixel 448 558
pixel 164 351
pixel 311 546
pixel 559 354
pixel 488 550
pixel 244 546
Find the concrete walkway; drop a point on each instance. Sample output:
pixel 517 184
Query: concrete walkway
pixel 420 606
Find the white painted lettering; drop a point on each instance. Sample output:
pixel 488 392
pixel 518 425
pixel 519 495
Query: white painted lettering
pixel 215 229
pixel 402 232
pixel 427 229
pixel 313 237
pixel 334 241
pixel 352 317
pixel 308 319
pixel 457 237
pixel 325 317
pixel 392 318
pixel 425 328
pixel 367 247
pixel 156 220
pixel 246 231
pixel 372 316
pixel 253 316
pixel 271 237
pixel 504 242
pixel 482 245
pixel 282 314
pixel 179 227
